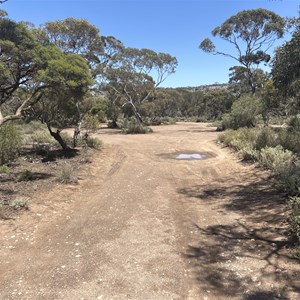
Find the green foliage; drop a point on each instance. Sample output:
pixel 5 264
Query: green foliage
pixel 263 145
pixel 134 77
pixel 4 169
pixel 266 137
pixel 245 112
pixel 90 122
pixel 289 139
pixel 10 143
pixel 133 126
pixel 239 82
pixel 26 175
pixel 277 159
pixel 242 140
pixel 294 123
pixel 74 35
pixel 286 66
pixel 250 32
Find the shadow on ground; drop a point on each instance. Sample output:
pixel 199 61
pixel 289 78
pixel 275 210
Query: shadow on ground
pixel 243 257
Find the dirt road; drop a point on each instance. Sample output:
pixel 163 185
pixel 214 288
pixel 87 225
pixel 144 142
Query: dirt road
pixel 142 224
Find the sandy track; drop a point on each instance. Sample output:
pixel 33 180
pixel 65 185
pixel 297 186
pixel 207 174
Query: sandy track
pixel 143 225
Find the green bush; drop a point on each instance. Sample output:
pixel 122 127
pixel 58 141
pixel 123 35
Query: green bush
pixel 284 165
pixel 294 123
pixel 248 153
pixel 242 140
pixel 133 126
pixel 239 139
pixel 290 182
pixel 26 175
pixel 10 143
pixel 4 169
pixel 245 112
pixel 266 137
pixel 289 139
pixel 277 159
pixel 90 122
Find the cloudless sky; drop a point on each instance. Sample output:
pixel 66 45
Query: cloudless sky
pixel 173 26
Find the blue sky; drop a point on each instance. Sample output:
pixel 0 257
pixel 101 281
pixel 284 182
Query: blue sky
pixel 172 26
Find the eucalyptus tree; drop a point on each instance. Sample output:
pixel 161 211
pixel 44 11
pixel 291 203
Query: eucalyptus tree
pixel 67 79
pixel 238 80
pixel 134 74
pixel 251 33
pixel 286 72
pixel 74 36
pixel 20 64
pixel 31 73
pixel 286 66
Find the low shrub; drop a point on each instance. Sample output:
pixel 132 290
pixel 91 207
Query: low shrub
pixel 277 159
pixel 133 126
pixel 245 112
pixel 19 204
pixel 10 143
pixel 284 165
pixel 4 169
pixel 248 153
pixel 26 175
pixel 282 162
pixel 168 121
pixel 289 139
pixel 294 123
pixel 266 137
pixel 66 175
pixel 290 182
pixel 239 139
pixel 93 143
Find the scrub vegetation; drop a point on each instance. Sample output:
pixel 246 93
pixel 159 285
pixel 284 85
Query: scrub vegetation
pixel 64 74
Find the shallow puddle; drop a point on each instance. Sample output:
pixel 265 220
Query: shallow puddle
pixel 190 156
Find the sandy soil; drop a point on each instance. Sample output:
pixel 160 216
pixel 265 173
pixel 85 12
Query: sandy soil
pixel 142 224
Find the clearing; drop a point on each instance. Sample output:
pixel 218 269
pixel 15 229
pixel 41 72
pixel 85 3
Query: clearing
pixel 142 224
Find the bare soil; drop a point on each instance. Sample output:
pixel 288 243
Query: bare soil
pixel 141 224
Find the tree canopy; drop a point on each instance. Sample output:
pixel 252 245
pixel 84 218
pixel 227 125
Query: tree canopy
pixel 129 76
pixel 251 33
pixel 30 71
